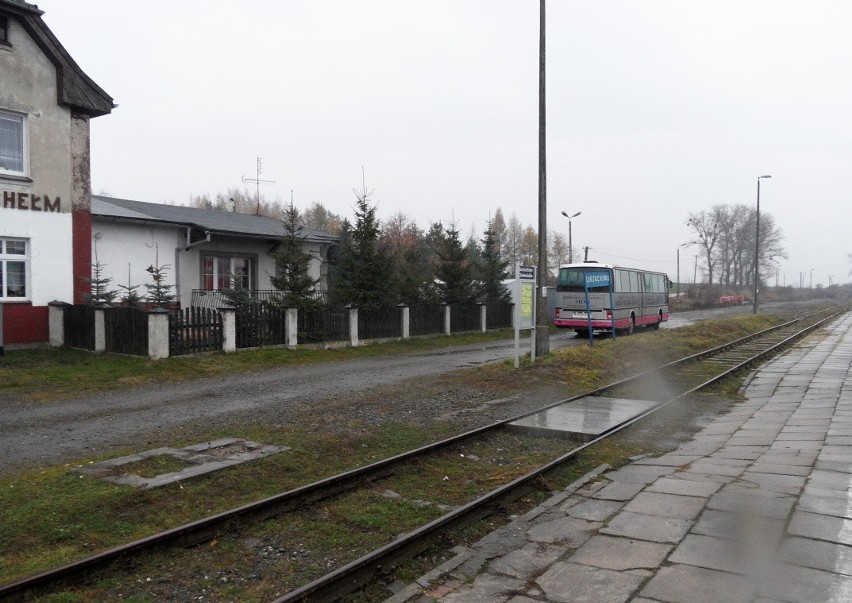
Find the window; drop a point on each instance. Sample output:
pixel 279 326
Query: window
pixel 13 270
pixel 13 141
pixel 226 272
pixel 4 30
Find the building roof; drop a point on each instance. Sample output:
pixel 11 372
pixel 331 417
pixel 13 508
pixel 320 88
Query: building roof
pixel 206 220
pixel 74 88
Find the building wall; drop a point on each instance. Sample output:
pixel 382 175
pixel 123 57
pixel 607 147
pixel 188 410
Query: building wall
pixel 38 208
pixel 120 247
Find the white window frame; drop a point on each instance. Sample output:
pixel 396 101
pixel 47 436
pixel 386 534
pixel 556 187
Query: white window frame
pixel 25 152
pixel 5 258
pixel 231 258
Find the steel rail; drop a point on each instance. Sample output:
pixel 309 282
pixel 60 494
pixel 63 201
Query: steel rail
pixel 205 529
pixel 358 572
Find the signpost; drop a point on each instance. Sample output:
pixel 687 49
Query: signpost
pixel 525 311
pixel 598 278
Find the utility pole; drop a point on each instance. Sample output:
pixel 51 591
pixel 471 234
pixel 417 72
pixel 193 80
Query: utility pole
pixel 542 334
pixel 257 182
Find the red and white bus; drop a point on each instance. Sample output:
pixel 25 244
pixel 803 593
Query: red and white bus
pixel 639 298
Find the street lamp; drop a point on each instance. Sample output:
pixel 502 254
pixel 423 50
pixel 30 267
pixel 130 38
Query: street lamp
pixel 570 242
pixel 757 242
pixel 677 291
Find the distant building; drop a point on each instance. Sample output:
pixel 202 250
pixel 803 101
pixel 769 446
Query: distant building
pixel 204 249
pixel 46 102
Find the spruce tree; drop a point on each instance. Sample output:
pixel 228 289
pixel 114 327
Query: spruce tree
pixel 453 268
pixel 293 263
pixel 100 293
pixel 129 293
pixel 159 292
pixel 364 273
pixel 491 270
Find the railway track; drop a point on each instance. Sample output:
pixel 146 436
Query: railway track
pixel 725 360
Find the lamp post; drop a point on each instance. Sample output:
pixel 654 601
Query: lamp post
pixel 757 243
pixel 677 291
pixel 570 242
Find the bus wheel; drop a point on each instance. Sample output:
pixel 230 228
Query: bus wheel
pixel 631 326
pixel 582 333
pixel 656 325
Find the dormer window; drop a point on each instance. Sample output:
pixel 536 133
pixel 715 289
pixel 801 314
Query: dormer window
pixel 4 30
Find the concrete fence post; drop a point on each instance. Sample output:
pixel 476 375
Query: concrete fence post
pixel 447 320
pixel 483 316
pixel 405 321
pixel 229 328
pixel 158 333
pixel 353 325
pixel 291 327
pixel 56 323
pixel 100 329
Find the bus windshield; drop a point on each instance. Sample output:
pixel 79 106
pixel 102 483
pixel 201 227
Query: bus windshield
pixel 572 279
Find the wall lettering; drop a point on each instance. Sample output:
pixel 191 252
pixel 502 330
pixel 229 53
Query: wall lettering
pixel 29 202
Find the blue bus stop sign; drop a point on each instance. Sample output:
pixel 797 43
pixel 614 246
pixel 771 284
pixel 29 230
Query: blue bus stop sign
pixel 598 278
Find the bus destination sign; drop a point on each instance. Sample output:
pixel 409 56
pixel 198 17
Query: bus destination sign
pixel 597 279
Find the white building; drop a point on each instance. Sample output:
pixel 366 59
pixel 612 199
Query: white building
pixel 202 248
pixel 46 102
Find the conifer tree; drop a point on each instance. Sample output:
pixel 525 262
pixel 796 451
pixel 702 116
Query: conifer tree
pixel 129 293
pixel 99 286
pixel 294 263
pixel 159 291
pixel 491 270
pixel 453 268
pixel 364 273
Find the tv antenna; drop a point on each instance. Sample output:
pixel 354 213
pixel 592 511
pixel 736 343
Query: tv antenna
pixel 258 182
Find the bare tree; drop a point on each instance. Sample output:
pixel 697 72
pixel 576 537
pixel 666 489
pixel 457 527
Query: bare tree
pixel 529 247
pixel 512 242
pixel 707 226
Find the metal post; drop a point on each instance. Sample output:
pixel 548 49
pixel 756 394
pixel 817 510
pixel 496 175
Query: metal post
pixel 570 244
pixel 757 243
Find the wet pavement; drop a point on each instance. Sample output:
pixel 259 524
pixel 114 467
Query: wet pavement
pixel 756 507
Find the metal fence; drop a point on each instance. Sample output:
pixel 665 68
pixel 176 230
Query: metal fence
pixel 323 323
pixel 426 319
pixel 379 323
pixel 260 325
pixel 126 330
pixel 79 326
pixel 202 298
pixel 498 315
pixel 465 317
pixel 193 330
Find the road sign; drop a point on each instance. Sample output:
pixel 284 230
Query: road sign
pixel 526 273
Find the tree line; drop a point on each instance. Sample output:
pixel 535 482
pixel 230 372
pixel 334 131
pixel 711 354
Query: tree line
pixel 726 236
pixel 381 262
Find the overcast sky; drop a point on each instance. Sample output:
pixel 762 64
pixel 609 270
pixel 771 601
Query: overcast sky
pixel 655 109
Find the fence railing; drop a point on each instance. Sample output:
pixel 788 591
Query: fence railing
pixel 260 325
pixel 465 317
pixel 323 323
pixel 79 327
pixel 194 330
pixel 426 319
pixel 379 323
pixel 498 315
pixel 159 333
pixel 126 330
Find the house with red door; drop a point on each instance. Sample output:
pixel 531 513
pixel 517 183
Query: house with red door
pixel 46 102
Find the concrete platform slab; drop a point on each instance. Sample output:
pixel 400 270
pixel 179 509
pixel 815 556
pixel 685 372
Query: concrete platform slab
pixel 584 419
pixel 689 584
pixel 573 583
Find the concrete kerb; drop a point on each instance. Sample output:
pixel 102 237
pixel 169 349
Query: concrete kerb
pixel 468 561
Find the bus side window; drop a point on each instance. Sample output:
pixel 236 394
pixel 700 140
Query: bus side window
pixel 619 281
pixel 649 286
pixel 634 282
